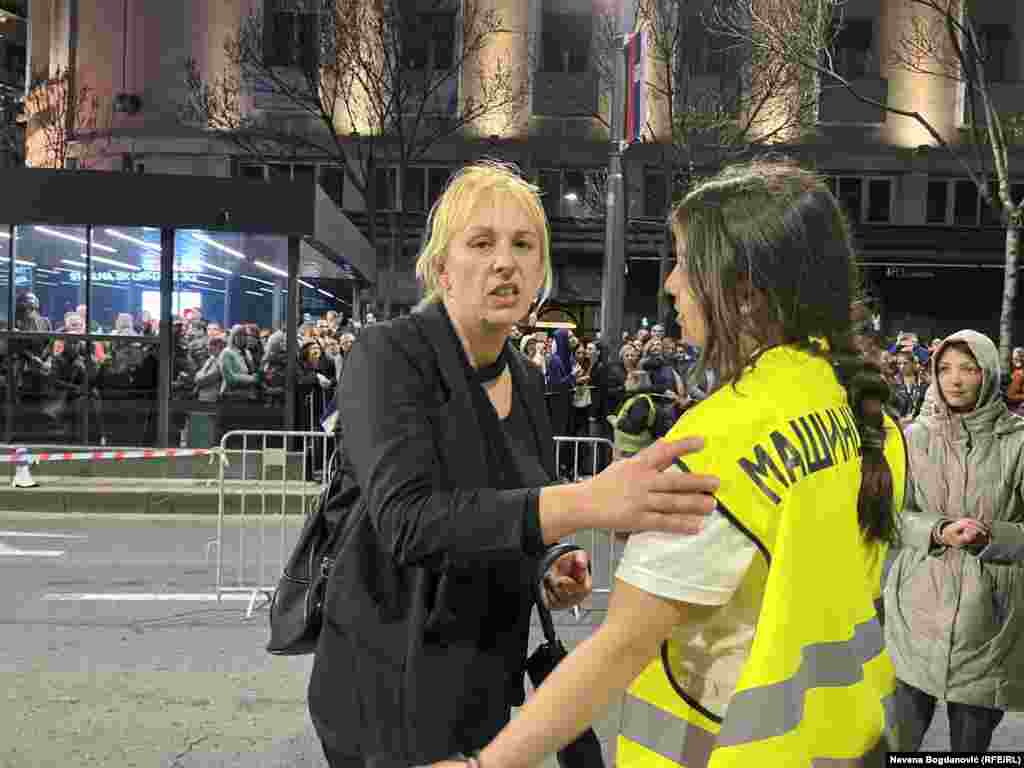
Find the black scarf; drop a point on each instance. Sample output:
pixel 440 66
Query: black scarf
pixel 502 469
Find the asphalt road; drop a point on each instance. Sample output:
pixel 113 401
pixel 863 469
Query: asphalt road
pixel 104 665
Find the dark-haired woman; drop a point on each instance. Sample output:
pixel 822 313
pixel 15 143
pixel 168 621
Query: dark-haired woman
pixel 756 642
pixel 954 594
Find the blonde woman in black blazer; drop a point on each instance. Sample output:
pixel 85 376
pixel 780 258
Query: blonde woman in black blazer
pixel 447 458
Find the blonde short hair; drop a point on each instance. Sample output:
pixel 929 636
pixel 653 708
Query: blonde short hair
pixel 451 212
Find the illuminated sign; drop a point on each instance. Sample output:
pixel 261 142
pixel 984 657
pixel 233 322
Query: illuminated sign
pixel 142 276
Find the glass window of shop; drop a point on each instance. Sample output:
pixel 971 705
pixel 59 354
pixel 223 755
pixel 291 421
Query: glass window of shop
pixel 49 276
pixel 230 311
pixel 99 391
pixel 6 253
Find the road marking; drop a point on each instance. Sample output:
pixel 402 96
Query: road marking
pixel 39 535
pixel 194 597
pixel 7 552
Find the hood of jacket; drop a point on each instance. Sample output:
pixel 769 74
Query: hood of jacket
pixel 276 344
pixel 562 351
pixel 237 337
pixel 990 412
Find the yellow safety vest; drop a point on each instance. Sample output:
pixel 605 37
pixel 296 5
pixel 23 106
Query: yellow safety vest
pixel 627 443
pixel 816 688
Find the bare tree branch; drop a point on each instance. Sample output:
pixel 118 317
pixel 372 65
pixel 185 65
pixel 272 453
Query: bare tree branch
pixel 940 41
pixel 345 89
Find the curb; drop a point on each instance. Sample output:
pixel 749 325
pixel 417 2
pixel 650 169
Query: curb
pixel 203 498
pixel 100 500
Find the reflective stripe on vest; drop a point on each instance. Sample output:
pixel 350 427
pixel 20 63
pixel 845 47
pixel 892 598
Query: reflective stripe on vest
pixel 682 743
pixel 762 713
pixel 772 710
pixel 690 746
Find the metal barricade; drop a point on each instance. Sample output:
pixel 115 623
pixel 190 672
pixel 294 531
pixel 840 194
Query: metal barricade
pixel 268 482
pixel 604 547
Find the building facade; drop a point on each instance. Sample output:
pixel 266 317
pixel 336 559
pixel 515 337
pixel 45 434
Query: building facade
pixel 13 73
pixel 932 251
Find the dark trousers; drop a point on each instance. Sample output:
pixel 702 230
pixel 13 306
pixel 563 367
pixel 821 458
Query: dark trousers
pixel 970 727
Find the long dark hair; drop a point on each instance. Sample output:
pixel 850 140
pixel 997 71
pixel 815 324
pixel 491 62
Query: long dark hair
pixel 770 258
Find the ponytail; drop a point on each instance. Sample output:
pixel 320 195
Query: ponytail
pixel 867 392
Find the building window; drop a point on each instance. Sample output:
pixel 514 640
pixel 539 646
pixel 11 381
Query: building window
pixel 879 201
pixel 996 46
pixel 850 195
pixel 429 42
pixel 437 180
pixel 550 183
pixel 865 199
pixel 279 171
pixel 655 202
pixel 387 189
pixel 565 42
pixel 422 187
pixel 938 202
pixel 968 208
pixel 291 37
pixel 255 171
pixel 330 178
pixel 965 203
pixel 414 191
pixel 575 192
pixel 332 181
pixel 852 49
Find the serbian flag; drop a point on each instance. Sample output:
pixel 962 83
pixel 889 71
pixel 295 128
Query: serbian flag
pixel 636 102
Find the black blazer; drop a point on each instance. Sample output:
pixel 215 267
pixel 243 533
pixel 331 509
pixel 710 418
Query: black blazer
pixel 428 609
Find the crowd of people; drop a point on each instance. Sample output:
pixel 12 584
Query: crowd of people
pixel 587 379
pixel 58 378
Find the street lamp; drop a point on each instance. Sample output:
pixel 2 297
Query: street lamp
pixel 613 283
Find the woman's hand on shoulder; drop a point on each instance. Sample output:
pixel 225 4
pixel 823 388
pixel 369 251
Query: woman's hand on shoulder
pixel 637 494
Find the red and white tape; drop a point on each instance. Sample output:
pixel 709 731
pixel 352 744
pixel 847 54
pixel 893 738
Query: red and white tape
pixel 21 456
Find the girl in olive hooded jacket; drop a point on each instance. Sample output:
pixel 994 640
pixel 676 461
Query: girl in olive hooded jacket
pixel 954 596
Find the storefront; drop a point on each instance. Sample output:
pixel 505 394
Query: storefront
pixel 112 284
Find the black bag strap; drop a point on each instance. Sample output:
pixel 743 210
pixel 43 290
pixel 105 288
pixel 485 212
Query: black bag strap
pixel 553 554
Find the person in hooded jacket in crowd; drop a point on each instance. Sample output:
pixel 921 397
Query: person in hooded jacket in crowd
pixel 954 596
pixel 560 383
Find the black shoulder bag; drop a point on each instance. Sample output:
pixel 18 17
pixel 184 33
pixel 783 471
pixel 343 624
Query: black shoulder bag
pixel 296 610
pixel 585 750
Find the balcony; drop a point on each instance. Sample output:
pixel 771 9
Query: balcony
pixel 836 105
pixel 565 94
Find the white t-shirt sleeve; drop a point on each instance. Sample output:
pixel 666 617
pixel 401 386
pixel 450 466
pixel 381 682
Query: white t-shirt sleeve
pixel 705 569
